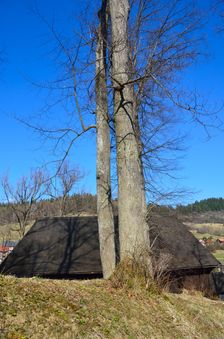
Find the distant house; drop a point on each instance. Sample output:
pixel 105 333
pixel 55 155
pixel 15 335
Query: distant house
pixel 68 247
pixel 6 248
pixel 4 251
pixel 220 240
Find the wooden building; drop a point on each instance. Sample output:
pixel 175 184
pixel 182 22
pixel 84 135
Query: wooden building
pixel 68 247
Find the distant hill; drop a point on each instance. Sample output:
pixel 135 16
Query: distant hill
pixel 203 217
pixel 209 210
pixel 205 205
pixel 75 204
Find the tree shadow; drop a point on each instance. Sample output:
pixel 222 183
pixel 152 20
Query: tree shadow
pixel 59 248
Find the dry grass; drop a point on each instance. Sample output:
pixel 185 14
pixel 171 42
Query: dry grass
pixel 204 235
pixel 211 229
pixel 37 308
pixel 11 232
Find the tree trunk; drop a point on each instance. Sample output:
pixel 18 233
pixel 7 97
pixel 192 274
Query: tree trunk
pixel 104 205
pixel 132 209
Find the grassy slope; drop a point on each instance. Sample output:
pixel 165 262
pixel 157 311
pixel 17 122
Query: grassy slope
pixel 219 254
pixel 36 308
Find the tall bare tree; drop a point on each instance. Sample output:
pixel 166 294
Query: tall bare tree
pixel 148 44
pixel 164 39
pixel 132 210
pixel 104 204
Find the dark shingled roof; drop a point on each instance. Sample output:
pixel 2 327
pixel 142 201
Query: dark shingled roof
pixel 69 246
pixel 57 246
pixel 169 235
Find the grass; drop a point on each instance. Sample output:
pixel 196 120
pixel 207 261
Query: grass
pixel 219 254
pixel 202 235
pixel 207 229
pixel 37 308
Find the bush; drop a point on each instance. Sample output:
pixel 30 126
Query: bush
pixel 131 274
pixel 135 274
pixel 215 246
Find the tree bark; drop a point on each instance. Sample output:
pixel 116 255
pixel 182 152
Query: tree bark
pixel 132 208
pixel 104 205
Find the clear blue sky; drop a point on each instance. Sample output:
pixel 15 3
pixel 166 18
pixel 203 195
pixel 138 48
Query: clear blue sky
pixel 24 40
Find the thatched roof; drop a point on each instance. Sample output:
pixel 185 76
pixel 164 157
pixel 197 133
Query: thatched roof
pixel 69 246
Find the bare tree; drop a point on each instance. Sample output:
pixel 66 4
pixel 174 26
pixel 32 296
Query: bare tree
pixel 23 198
pixel 5 235
pixel 218 7
pixel 132 210
pixel 104 204
pixel 148 44
pixel 164 39
pixel 62 184
pixel 151 42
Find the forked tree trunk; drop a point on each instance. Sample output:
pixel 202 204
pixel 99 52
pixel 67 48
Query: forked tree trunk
pixel 104 205
pixel 132 209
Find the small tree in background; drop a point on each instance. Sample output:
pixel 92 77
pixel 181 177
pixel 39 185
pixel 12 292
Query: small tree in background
pixel 62 185
pixel 23 197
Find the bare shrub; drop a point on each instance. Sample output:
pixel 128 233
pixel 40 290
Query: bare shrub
pixel 204 229
pixel 218 230
pixel 127 275
pixel 212 247
pixel 161 264
pixel 135 273
pixel 5 235
pixel 216 245
pixel 22 197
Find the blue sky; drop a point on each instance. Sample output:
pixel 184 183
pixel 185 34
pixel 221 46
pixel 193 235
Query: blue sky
pixel 27 53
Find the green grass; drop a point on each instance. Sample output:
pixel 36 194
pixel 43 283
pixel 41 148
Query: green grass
pixel 219 254
pixel 202 235
pixel 37 308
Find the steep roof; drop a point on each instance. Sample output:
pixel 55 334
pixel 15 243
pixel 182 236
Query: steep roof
pixel 57 246
pixel 69 246
pixel 169 235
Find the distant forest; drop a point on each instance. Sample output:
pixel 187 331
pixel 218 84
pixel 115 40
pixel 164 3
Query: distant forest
pixel 75 204
pixel 86 203
pixel 205 205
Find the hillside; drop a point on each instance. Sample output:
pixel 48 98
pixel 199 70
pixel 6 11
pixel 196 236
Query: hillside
pixel 37 308
pixel 204 205
pixel 203 217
